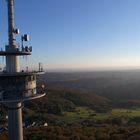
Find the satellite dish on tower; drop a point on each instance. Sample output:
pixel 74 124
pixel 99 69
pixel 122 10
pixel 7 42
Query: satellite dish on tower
pixel 25 37
pixel 16 31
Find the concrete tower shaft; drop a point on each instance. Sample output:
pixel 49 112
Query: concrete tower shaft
pixel 12 62
pixel 12 66
pixel 15 131
pixel 16 86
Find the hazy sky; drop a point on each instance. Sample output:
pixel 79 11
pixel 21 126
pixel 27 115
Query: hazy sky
pixel 78 33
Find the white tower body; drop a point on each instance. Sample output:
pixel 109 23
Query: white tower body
pixel 12 62
pixel 16 86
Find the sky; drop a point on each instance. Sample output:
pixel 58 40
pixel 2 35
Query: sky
pixel 77 34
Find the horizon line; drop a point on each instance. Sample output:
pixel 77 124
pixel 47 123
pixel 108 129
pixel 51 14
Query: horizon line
pixel 121 68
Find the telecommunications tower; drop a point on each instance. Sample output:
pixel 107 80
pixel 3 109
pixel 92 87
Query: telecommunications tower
pixel 16 86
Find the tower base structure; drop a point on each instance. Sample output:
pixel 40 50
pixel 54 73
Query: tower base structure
pixel 15 130
pixel 15 88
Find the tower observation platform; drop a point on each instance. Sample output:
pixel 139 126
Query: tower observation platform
pixel 19 87
pixel 16 86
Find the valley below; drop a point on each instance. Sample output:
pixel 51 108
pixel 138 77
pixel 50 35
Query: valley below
pixel 83 106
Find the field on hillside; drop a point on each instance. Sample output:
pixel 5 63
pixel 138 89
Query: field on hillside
pixel 85 113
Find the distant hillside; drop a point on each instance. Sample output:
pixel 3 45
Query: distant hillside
pixel 61 99
pixel 110 84
pixel 78 97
